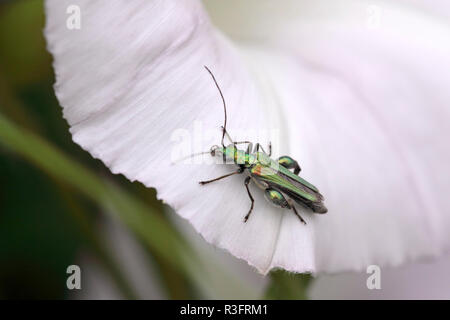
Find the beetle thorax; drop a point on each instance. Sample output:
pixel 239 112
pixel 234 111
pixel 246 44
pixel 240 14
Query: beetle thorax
pixel 231 154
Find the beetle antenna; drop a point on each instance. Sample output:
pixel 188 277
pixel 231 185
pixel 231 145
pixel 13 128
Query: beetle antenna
pixel 192 156
pixel 224 129
pixel 211 151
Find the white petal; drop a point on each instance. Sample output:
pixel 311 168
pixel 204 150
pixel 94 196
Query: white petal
pixel 130 78
pixel 424 280
pixel 373 105
pixel 360 108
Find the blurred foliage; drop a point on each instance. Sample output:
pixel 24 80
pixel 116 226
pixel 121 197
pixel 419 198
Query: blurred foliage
pixel 52 193
pixel 31 231
pixel 22 43
pixel 285 285
pixel 37 243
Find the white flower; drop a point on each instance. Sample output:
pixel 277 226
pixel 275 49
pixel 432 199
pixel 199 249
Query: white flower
pixel 422 280
pixel 357 92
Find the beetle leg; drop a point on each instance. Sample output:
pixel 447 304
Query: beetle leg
pixel 259 146
pixel 247 182
pixel 225 176
pixel 289 163
pixel 249 148
pixel 224 131
pixel 241 142
pixel 295 211
pixel 229 137
pixel 275 197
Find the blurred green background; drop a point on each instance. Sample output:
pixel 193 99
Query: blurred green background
pixel 53 195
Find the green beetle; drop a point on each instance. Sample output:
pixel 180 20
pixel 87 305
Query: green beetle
pixel 281 186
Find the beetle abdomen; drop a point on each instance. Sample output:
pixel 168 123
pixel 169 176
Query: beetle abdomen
pixel 316 207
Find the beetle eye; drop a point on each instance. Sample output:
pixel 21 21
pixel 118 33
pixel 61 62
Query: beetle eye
pixel 213 150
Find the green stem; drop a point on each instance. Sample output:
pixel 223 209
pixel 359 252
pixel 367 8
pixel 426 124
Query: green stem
pixel 288 286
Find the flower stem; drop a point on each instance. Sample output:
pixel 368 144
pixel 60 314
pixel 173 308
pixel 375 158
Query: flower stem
pixel 288 286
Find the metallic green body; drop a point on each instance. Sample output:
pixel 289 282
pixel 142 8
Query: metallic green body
pixel 275 175
pixel 281 186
